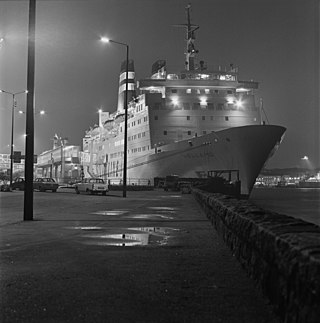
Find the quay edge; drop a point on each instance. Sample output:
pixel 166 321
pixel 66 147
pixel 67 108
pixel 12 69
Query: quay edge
pixel 281 253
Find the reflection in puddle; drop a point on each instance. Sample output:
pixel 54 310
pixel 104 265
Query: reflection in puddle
pixel 150 216
pixel 171 196
pixel 130 237
pixel 162 208
pixel 113 212
pixel 122 239
pixel 156 230
pixel 87 228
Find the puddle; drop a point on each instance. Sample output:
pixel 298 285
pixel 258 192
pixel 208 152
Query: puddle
pixel 162 208
pixel 113 212
pixel 127 237
pixel 87 228
pixel 170 196
pixel 150 216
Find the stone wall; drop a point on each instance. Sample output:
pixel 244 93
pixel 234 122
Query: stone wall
pixel 280 252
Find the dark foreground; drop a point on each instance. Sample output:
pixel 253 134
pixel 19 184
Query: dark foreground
pixel 152 257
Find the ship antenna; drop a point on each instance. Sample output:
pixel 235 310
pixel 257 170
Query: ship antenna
pixel 191 51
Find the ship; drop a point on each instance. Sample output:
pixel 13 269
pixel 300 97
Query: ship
pixel 310 182
pixel 190 123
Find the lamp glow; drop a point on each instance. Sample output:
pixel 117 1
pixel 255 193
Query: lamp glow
pixel 175 101
pixel 105 39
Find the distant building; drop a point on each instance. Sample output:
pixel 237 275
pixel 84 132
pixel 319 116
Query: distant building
pixel 63 162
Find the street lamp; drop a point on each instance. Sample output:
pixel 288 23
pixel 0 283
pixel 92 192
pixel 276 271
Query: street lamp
pixel 41 112
pixel 12 128
pixel 106 40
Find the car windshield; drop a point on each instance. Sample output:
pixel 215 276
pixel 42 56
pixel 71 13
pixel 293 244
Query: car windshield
pixel 97 180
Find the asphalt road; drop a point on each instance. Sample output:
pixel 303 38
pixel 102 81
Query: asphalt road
pixel 151 257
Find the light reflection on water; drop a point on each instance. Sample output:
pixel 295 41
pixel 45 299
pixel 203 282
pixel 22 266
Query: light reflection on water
pixel 162 208
pixel 126 237
pixel 111 212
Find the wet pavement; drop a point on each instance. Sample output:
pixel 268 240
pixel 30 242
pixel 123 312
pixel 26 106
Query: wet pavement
pixel 151 257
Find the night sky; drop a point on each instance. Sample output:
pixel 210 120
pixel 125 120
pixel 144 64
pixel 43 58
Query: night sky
pixel 274 42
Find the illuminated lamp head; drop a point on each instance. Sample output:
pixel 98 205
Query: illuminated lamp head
pixel 175 100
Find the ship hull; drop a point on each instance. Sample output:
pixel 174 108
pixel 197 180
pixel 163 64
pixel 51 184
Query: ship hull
pixel 245 149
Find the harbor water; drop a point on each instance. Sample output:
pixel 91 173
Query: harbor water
pixel 302 203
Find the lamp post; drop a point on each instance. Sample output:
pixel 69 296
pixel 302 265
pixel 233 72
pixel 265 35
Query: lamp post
pixel 124 192
pixel 12 129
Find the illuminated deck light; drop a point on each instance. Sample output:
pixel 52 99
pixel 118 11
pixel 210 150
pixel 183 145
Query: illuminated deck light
pixel 175 101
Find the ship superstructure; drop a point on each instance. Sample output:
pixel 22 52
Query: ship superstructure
pixel 186 123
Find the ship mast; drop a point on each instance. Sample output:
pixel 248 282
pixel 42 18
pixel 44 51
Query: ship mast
pixel 191 51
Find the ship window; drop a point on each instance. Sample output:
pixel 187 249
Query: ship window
pixel 206 91
pixel 186 106
pixel 189 133
pixel 165 132
pixel 155 117
pixel 204 132
pixel 210 106
pixel 203 118
pixel 216 91
pixel 196 106
pixel 226 118
pixel 174 91
pixel 188 117
pixel 188 91
pixel 229 92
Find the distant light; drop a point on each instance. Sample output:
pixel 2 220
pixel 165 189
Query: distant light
pixel 242 89
pixel 42 112
pixel 21 112
pixel 305 158
pixel 105 39
pixel 100 110
pixel 1 39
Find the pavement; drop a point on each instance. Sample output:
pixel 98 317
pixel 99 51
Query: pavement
pixel 150 257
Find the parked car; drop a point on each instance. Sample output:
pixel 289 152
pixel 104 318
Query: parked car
pixel 185 187
pixel 18 184
pixel 92 186
pixel 45 184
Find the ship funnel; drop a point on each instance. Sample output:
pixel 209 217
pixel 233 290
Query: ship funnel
pixel 122 84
